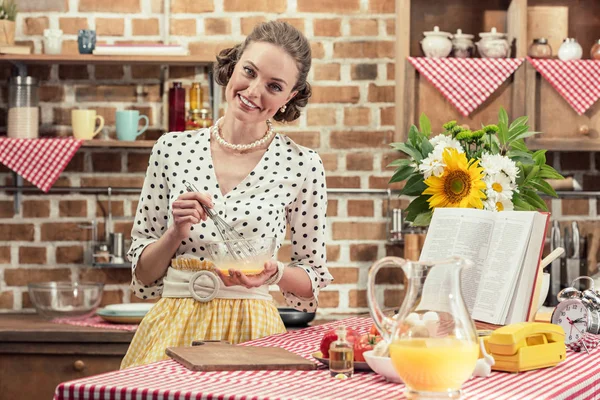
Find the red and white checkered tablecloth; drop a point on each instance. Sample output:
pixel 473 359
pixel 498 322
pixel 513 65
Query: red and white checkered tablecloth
pixel 577 81
pixel 40 161
pixel 466 82
pixel 575 378
pixel 95 321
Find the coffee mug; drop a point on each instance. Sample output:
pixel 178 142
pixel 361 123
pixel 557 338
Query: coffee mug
pixel 83 122
pixel 86 41
pixel 127 124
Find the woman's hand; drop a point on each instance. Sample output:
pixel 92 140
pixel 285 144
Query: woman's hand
pixel 187 211
pixel 236 278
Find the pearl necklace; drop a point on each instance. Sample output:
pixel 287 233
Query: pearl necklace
pixel 216 131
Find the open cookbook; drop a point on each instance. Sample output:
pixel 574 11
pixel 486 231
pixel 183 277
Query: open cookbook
pixel 506 249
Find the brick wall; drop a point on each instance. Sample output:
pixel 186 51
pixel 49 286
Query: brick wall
pixel 349 120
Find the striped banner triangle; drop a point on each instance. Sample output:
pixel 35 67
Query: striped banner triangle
pixel 577 81
pixel 40 161
pixel 466 82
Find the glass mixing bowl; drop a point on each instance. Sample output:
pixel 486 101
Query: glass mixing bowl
pixel 236 254
pixel 65 299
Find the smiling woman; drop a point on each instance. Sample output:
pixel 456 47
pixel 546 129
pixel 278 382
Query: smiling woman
pixel 257 180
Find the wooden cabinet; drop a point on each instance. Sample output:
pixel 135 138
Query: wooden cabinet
pixel 524 93
pixel 36 356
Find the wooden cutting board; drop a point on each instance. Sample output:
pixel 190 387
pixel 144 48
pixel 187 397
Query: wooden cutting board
pixel 215 356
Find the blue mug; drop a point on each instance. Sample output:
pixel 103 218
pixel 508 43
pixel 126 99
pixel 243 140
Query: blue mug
pixel 86 41
pixel 127 124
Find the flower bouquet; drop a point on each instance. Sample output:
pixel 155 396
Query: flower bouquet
pixel 490 168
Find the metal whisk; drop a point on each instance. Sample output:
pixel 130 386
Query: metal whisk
pixel 239 248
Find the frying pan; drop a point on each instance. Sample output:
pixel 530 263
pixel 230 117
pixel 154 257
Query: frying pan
pixel 293 317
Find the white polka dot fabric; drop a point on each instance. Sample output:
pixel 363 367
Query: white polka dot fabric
pixel 287 186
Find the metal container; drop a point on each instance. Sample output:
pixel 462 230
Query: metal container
pixel 397 223
pixel 116 247
pixel 23 107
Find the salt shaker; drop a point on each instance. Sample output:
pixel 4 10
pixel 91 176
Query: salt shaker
pixel 570 50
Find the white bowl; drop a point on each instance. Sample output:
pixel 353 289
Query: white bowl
pixel 383 366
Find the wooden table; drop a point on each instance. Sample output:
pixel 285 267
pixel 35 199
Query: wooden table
pixel 36 355
pixel 575 378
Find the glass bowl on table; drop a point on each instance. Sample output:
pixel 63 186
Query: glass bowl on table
pixel 65 299
pixel 245 255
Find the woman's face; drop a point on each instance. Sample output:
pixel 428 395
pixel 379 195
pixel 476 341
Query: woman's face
pixel 261 82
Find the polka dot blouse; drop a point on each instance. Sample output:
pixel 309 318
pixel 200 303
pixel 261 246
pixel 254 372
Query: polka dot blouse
pixel 287 186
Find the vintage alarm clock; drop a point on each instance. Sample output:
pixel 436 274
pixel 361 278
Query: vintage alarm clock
pixel 578 313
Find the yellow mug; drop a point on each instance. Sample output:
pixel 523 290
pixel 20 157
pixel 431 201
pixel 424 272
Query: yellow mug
pixel 83 122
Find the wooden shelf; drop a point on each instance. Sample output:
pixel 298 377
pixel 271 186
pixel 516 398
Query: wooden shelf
pixel 569 144
pixel 119 143
pixel 92 59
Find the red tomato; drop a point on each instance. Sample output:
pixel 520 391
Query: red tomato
pixel 351 335
pixel 373 331
pixel 365 343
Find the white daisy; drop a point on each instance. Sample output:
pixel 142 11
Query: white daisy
pixel 493 164
pixel 443 141
pixel 499 185
pixel 432 164
pixel 495 203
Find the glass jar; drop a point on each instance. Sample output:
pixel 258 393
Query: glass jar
pixel 198 119
pixel 196 100
pixel 540 48
pixel 595 53
pixel 23 107
pixel 176 108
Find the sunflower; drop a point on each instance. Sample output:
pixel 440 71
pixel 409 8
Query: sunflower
pixel 460 185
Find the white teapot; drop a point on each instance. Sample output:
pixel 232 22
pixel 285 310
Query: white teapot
pixel 436 44
pixel 462 44
pixel 493 44
pixel 570 49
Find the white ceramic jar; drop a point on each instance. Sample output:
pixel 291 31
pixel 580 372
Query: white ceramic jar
pixel 436 44
pixel 462 44
pixel 570 50
pixel 493 44
pixel 53 41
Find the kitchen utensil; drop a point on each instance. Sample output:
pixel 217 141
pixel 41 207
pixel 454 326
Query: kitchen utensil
pixel 595 51
pixel 125 313
pixel 226 254
pixel 23 107
pixel 383 366
pixel 556 253
pixel 84 122
pixel 358 365
pixel 462 45
pixel 127 122
pixel 433 326
pixel 556 266
pixel 436 43
pixel 569 50
pixel 540 49
pixel 493 44
pixel 568 245
pixel 86 41
pixel 293 317
pixel 117 244
pixel 237 245
pixel 218 356
pixel 65 299
pixel 574 259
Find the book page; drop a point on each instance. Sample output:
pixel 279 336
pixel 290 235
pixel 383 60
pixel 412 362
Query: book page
pixel 457 232
pixel 503 266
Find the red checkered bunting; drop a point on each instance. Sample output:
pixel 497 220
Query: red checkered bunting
pixel 95 322
pixel 577 81
pixel 466 82
pixel 40 161
pixel 574 378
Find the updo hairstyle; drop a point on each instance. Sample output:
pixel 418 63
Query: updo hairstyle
pixel 289 39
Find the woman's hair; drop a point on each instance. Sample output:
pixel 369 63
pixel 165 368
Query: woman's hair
pixel 289 39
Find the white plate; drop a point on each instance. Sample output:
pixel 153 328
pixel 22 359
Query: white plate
pixel 130 307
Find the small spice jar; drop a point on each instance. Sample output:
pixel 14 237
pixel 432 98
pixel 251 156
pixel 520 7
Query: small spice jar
pixel 462 44
pixel 540 48
pixel 595 53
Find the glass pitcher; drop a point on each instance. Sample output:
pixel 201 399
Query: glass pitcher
pixel 433 341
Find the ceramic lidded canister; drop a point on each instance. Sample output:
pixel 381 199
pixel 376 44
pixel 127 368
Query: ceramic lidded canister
pixel 436 44
pixel 462 44
pixel 493 44
pixel 569 50
pixel 595 52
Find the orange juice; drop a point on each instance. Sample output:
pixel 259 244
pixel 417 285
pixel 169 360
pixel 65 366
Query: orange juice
pixel 434 364
pixel 247 268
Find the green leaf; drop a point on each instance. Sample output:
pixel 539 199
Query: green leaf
pixel 402 173
pixel 414 186
pixel 521 174
pixel 413 136
pixel 520 145
pixel 423 219
pixel 542 186
pixel 399 162
pixel 547 172
pixel 426 147
pixel 534 199
pixel 425 125
pixel 539 157
pixel 518 155
pixel 514 133
pixel 418 206
pixel 502 126
pixel 520 204
pixel 521 121
pixel 503 116
pixel 535 169
pixel 409 150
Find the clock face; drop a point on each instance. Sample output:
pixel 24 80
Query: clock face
pixel 573 316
